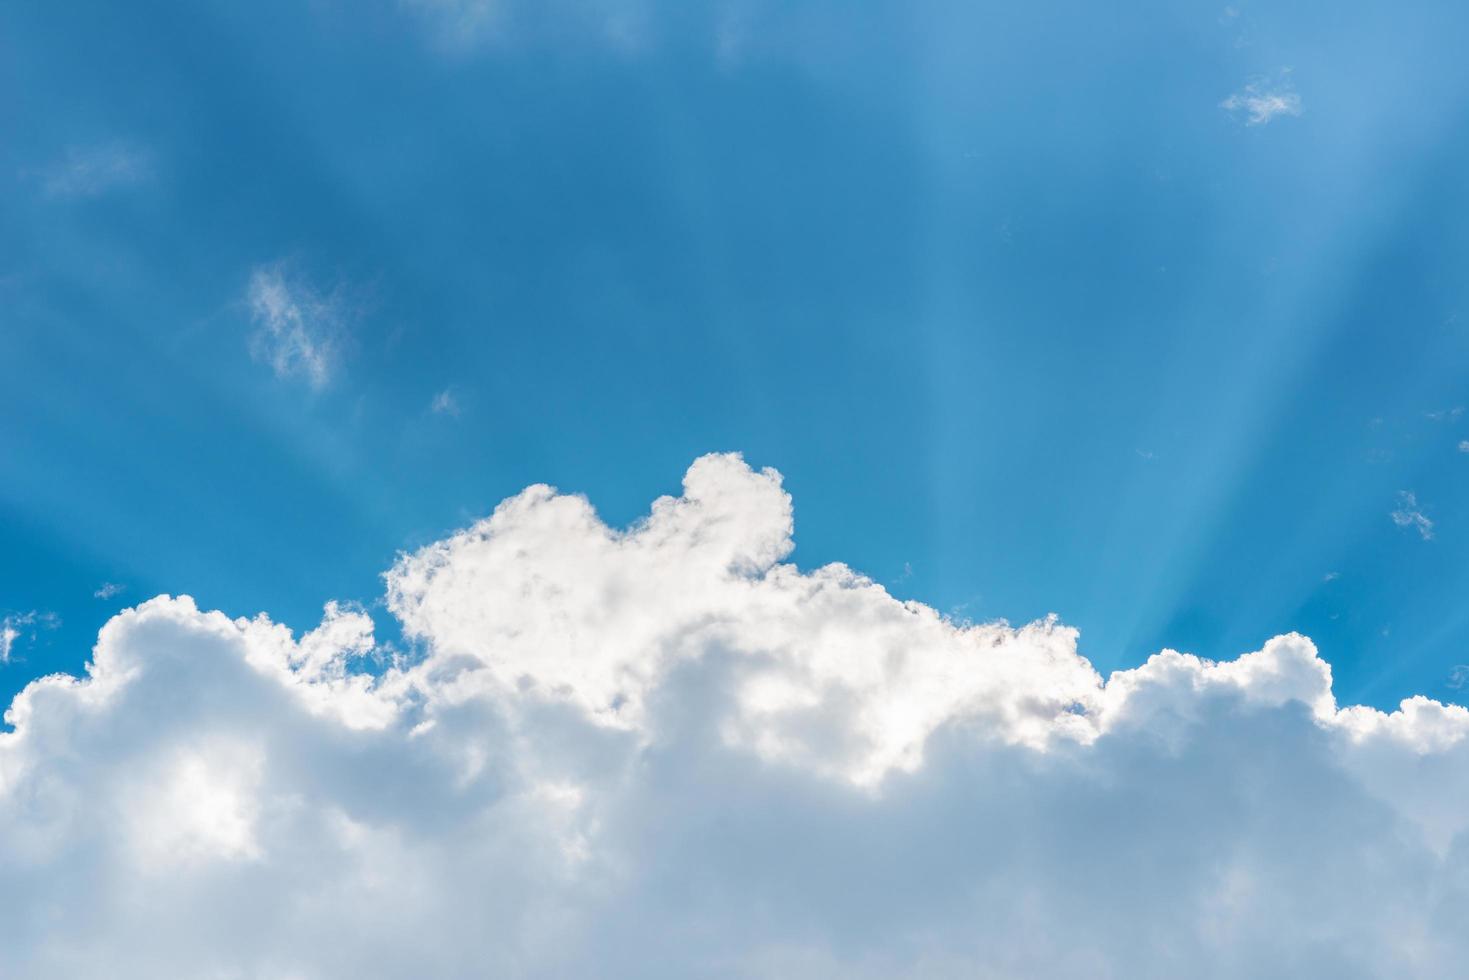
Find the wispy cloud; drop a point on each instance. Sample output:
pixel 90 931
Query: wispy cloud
pixel 15 627
pixel 1408 514
pixel 1459 676
pixel 9 633
pixel 463 24
pixel 1241 26
pixel 446 403
pixel 1263 99
pixel 1464 445
pixel 109 590
pixel 92 170
pixel 298 329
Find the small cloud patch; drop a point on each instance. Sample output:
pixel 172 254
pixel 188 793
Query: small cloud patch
pixel 89 171
pixel 299 330
pixel 446 403
pixel 1264 99
pixel 1408 514
pixel 16 628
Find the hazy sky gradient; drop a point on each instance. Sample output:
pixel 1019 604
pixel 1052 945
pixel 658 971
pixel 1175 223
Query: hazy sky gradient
pixel 383 592
pixel 1144 316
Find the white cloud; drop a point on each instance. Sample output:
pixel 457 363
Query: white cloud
pixel 663 752
pixel 445 403
pixel 93 170
pixel 9 633
pixel 15 627
pixel 1464 445
pixel 298 330
pixel 1263 99
pixel 109 590
pixel 730 33
pixel 1408 514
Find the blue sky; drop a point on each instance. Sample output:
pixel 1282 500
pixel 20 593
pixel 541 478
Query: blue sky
pixel 1149 317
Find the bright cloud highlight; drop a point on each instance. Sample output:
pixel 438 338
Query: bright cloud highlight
pixel 664 751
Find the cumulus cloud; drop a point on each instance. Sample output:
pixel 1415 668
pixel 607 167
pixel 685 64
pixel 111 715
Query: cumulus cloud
pixel 1409 514
pixel 1263 99
pixel 298 329
pixel 88 171
pixel 663 751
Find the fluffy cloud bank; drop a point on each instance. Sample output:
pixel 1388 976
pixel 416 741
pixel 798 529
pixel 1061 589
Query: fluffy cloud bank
pixel 661 752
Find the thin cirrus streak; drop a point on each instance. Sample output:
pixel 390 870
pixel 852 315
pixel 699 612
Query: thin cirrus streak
pixel 298 329
pixel 1263 99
